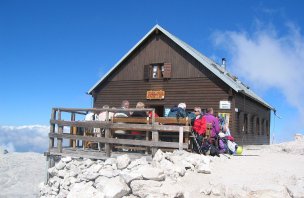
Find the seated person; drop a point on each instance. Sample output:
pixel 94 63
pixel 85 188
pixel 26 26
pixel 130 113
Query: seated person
pixel 214 121
pixel 124 105
pixel 139 105
pixel 179 111
pixel 200 124
pixel 103 114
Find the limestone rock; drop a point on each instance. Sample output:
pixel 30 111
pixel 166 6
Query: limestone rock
pixel 53 171
pixel 151 173
pixel 158 156
pixel 66 159
pixel 108 173
pixel 62 173
pixel 138 162
pixel 146 188
pixel 89 176
pixel 110 161
pixel 129 176
pixel 88 163
pixel 130 196
pixel 116 188
pixel 101 182
pixel 295 191
pixel 60 165
pixel 123 161
pixel 203 168
pixel 84 190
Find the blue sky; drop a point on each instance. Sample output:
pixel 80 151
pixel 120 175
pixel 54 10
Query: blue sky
pixel 53 52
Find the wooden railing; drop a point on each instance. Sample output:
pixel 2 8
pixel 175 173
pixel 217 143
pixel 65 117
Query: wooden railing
pixel 149 125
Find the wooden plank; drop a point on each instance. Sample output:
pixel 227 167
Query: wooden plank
pixel 72 129
pixel 131 147
pixel 169 120
pixel 92 154
pixel 122 126
pixel 181 138
pixel 52 128
pixel 98 109
pixel 163 120
pixel 131 120
pixel 120 141
pixel 60 131
pixel 155 138
pixel 107 145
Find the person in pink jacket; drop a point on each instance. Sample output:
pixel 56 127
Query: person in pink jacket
pixel 210 118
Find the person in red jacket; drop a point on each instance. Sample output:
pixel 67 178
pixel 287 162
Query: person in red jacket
pixel 200 123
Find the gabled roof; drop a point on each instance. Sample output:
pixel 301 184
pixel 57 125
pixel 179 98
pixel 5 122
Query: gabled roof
pixel 219 71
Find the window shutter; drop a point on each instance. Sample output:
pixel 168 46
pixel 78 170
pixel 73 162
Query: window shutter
pixel 146 72
pixel 167 70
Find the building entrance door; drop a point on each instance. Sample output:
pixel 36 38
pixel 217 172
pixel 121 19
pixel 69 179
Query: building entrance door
pixel 159 109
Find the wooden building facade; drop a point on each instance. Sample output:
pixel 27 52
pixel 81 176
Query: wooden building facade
pixel 162 71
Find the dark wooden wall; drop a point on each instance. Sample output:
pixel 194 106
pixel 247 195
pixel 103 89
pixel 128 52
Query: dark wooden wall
pixel 256 114
pixel 190 81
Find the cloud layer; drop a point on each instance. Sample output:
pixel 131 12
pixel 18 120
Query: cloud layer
pixel 24 138
pixel 268 60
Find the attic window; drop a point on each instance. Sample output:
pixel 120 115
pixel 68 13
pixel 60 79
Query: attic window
pixel 157 71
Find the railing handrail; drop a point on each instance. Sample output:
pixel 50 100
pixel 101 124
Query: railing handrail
pixel 100 109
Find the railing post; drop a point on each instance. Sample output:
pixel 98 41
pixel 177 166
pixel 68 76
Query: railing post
pixel 73 131
pixel 60 131
pixel 155 138
pixel 147 137
pixel 52 129
pixel 181 138
pixel 107 145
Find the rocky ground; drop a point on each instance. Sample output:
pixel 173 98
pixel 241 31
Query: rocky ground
pixel 20 174
pixel 263 171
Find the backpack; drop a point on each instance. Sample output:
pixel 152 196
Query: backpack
pixel 205 147
pixel 231 147
pixel 181 113
pixel 214 151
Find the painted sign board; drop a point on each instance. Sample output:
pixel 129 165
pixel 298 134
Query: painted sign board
pixel 155 95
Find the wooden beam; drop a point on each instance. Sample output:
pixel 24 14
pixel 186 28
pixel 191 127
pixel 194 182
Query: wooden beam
pixel 122 126
pixel 155 139
pixel 107 145
pixel 60 131
pixel 154 143
pixel 181 138
pixel 52 128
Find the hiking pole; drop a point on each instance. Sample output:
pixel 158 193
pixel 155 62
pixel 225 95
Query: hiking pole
pixel 226 156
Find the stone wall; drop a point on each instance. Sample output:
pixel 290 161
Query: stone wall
pixel 123 177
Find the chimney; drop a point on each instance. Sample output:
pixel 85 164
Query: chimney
pixel 224 63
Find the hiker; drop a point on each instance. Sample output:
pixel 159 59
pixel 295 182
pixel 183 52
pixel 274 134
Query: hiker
pixel 122 114
pixel 139 105
pixel 199 125
pixel 150 114
pixel 179 111
pixel 103 114
pixel 210 118
pixel 124 105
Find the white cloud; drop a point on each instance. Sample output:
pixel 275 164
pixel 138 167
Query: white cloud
pixel 268 59
pixel 24 138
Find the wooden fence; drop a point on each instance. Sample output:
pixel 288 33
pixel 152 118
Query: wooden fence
pixel 57 124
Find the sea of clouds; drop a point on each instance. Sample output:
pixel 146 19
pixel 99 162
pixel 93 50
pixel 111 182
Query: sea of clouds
pixel 27 138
